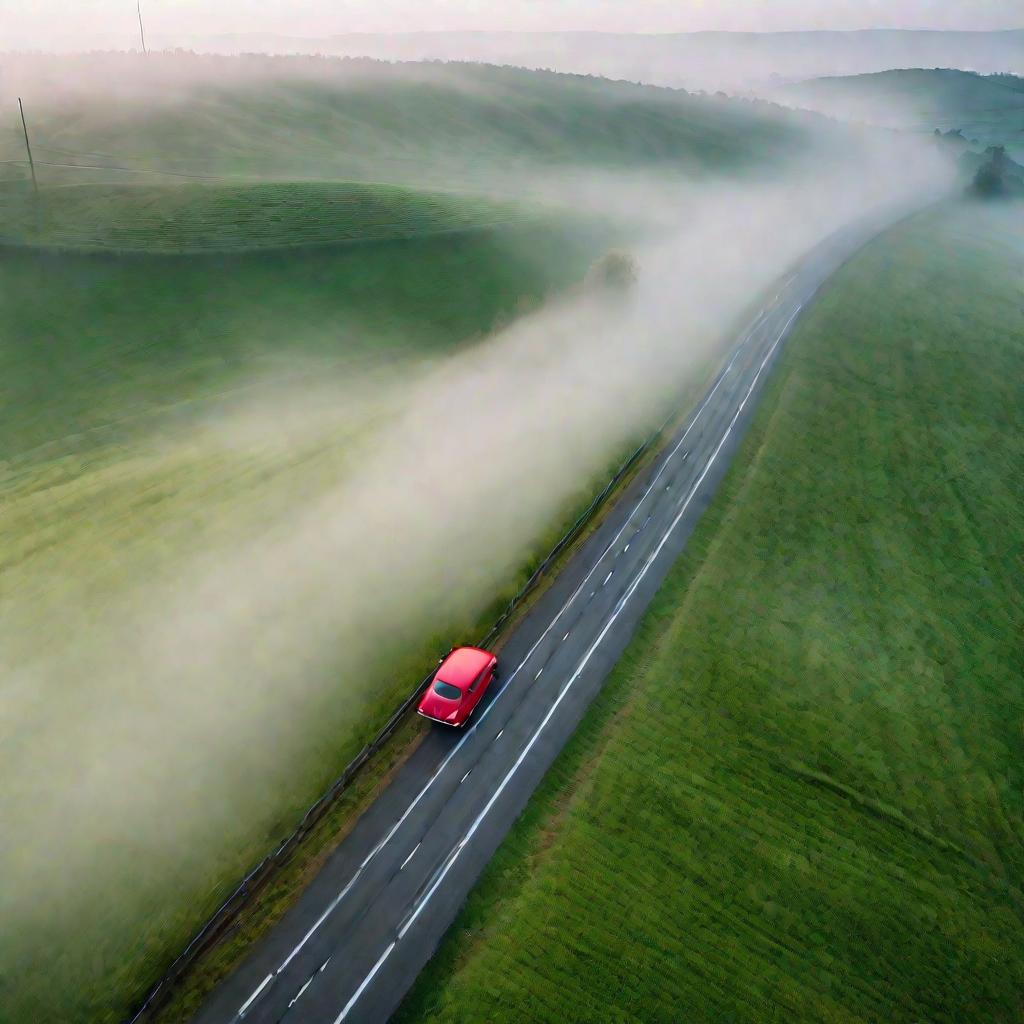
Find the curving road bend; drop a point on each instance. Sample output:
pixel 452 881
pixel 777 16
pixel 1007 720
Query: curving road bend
pixel 358 936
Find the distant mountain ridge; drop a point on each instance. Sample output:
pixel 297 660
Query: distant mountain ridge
pixel 705 60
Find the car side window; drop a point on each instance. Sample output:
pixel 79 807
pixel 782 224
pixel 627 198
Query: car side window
pixel 476 682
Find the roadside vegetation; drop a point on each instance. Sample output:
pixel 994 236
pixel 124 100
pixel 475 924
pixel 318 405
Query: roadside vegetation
pixel 799 796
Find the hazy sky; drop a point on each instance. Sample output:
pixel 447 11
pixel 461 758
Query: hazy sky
pixel 39 22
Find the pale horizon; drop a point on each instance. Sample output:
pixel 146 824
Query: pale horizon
pixel 113 23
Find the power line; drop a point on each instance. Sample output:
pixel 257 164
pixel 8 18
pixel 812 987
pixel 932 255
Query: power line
pixel 105 156
pixel 132 170
pixel 31 163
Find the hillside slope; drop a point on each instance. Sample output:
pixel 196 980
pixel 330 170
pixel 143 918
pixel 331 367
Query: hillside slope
pixel 986 108
pixel 115 115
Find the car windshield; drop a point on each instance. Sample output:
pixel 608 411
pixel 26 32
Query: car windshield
pixel 447 690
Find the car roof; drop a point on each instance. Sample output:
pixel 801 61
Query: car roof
pixel 463 665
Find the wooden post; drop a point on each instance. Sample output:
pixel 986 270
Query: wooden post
pixel 142 31
pixel 28 149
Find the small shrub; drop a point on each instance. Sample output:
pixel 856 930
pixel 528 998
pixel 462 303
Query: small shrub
pixel 615 271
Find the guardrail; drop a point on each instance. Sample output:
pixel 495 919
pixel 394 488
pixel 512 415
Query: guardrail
pixel 224 916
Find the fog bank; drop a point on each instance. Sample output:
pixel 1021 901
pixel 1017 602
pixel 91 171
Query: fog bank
pixel 182 705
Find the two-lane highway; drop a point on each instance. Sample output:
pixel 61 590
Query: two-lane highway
pixel 359 935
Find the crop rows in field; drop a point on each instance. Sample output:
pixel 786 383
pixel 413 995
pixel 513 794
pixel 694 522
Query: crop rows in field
pixel 231 217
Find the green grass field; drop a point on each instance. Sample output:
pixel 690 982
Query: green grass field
pixel 157 411
pixel 799 796
pixel 217 217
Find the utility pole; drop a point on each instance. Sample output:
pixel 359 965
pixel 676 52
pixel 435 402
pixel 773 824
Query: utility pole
pixel 142 31
pixel 28 149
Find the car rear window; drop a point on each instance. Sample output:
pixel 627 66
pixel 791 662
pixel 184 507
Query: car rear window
pixel 447 690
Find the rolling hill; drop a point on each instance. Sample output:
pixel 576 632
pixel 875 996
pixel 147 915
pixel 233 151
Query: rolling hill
pixel 988 109
pixel 116 117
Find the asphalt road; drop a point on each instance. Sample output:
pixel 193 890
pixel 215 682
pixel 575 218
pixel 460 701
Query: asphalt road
pixel 358 936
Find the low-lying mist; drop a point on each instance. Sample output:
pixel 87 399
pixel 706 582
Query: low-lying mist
pixel 164 720
pixel 150 732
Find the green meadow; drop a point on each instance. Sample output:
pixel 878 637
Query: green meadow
pixel 800 795
pixel 442 124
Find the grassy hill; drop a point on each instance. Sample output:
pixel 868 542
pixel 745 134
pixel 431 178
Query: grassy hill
pixel 799 797
pixel 118 116
pixel 235 217
pixel 988 108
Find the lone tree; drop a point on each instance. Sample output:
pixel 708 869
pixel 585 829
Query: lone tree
pixel 615 271
pixel 998 177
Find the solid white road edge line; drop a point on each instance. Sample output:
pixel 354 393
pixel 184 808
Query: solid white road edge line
pixel 262 985
pixel 366 981
pixel 427 896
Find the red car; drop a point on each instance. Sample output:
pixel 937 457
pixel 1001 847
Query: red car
pixel 458 685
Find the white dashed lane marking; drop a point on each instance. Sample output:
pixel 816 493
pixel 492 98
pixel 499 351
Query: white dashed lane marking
pixel 301 990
